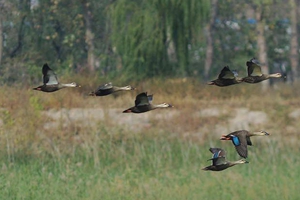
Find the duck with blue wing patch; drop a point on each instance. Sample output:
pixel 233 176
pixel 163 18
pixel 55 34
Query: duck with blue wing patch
pixel 240 139
pixel 219 161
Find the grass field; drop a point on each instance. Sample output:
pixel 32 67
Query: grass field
pixel 155 155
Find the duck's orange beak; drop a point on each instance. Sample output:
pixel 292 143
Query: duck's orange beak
pixel 225 137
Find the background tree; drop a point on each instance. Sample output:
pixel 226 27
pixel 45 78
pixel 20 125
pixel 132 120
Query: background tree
pixel 143 39
pixel 144 31
pixel 209 38
pixel 294 52
pixel 1 29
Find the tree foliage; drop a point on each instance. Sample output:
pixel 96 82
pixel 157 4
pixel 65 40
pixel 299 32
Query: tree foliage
pixel 153 37
pixel 136 38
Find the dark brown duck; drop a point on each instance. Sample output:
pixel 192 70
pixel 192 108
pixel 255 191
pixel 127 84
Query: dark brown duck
pixel 50 81
pixel 143 103
pixel 254 73
pixel 226 78
pixel 240 139
pixel 108 88
pixel 219 161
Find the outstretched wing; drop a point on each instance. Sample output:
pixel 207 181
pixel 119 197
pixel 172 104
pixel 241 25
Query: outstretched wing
pixel 141 99
pixel 49 77
pixel 217 152
pixel 254 68
pixel 240 143
pixel 226 73
pixel 218 157
pixel 105 86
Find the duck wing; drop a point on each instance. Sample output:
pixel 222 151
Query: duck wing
pixel 253 67
pixel 218 161
pixel 218 157
pixel 217 152
pixel 49 77
pixel 226 73
pixel 142 99
pixel 240 143
pixel 105 86
pixel 248 141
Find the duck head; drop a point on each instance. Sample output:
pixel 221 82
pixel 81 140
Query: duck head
pixel 128 87
pixel 276 75
pixel 226 137
pixel 74 85
pixel 164 105
pixel 242 161
pixel 261 133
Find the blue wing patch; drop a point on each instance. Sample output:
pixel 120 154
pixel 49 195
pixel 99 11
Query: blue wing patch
pixel 236 140
pixel 216 155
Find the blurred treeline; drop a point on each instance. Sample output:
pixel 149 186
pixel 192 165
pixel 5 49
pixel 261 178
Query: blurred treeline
pixel 137 39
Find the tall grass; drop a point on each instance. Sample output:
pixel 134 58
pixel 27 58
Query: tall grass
pixel 158 158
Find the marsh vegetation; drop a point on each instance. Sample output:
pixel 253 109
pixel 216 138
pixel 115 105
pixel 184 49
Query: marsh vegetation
pixel 68 145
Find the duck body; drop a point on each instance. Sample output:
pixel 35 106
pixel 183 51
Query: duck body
pixel 240 139
pixel 143 103
pixel 48 88
pixel 254 73
pixel 224 82
pixel 108 88
pixel 255 79
pixel 102 92
pixel 50 81
pixel 226 78
pixel 215 168
pixel 138 109
pixel 219 162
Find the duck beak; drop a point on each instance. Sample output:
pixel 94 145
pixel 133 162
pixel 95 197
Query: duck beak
pixel 211 83
pixel 225 137
pixel 127 111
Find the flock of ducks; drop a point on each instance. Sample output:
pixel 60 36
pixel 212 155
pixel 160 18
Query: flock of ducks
pixel 228 77
pixel 240 139
pixel 143 103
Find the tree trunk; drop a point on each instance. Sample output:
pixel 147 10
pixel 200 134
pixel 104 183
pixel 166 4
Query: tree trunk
pixel 262 47
pixel 294 40
pixel 1 37
pixel 209 39
pixel 89 36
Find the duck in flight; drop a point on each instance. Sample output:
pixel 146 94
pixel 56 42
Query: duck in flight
pixel 226 78
pixel 143 103
pixel 240 139
pixel 108 88
pixel 219 161
pixel 50 81
pixel 254 73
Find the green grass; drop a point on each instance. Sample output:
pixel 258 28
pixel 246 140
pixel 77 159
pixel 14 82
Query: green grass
pixel 163 160
pixel 149 167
